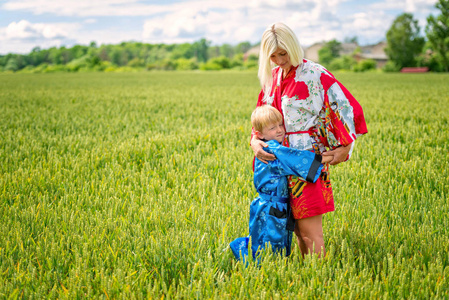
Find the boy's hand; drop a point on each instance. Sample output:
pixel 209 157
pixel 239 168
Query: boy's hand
pixel 257 146
pixel 339 154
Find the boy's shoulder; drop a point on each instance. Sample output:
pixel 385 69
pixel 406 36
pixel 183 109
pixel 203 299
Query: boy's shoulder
pixel 276 148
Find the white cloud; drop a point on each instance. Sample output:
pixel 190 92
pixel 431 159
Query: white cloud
pixel 26 30
pixel 67 8
pixel 22 36
pixel 89 8
pixel 221 23
pixel 177 25
pixel 283 4
pixel 368 26
pixel 104 36
pixel 414 6
pixel 420 9
pixel 411 6
pixel 229 26
pixel 231 21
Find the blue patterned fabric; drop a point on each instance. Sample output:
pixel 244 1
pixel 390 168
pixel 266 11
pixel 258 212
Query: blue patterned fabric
pixel 270 211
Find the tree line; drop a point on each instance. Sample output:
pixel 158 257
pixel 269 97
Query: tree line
pixel 128 56
pixel 405 48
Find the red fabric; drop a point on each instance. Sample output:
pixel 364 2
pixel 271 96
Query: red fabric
pixel 359 118
pixel 300 90
pixel 310 199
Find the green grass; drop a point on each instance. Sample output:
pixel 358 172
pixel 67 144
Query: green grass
pixel 132 186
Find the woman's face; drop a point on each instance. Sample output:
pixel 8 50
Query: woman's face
pixel 281 58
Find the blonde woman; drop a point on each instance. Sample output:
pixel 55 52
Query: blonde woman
pixel 320 115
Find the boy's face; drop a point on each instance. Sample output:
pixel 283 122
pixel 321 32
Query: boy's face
pixel 273 131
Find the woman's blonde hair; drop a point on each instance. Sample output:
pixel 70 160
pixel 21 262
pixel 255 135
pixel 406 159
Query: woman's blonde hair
pixel 265 115
pixel 277 35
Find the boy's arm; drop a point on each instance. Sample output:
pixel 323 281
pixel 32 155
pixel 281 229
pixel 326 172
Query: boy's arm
pixel 301 163
pixel 326 159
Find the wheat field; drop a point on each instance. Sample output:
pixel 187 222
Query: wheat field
pixel 131 186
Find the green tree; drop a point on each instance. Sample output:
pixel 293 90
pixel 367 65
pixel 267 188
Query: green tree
pixel 119 55
pixel 404 43
pixel 136 63
pixel 186 64
pixel 345 62
pixel 237 60
pixel 222 61
pixel 200 50
pixel 242 47
pixel 251 62
pixel 12 65
pixel 182 51
pixel 103 54
pixel 66 55
pixel 78 51
pixel 329 52
pixel 430 58
pixel 365 65
pixel 437 31
pixel 54 55
pixel 227 50
pixel 213 51
pixel 36 57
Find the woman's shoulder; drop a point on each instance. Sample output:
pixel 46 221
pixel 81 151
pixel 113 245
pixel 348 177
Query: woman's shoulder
pixel 314 67
pixel 313 71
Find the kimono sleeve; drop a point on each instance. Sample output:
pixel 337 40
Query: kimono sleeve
pixel 343 116
pixel 289 161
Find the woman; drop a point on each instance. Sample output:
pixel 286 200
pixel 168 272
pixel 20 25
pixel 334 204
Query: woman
pixel 320 115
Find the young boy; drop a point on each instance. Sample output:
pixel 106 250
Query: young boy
pixel 270 218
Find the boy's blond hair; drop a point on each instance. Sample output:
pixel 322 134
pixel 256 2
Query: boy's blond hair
pixel 265 115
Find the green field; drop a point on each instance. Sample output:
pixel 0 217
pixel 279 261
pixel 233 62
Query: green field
pixel 132 185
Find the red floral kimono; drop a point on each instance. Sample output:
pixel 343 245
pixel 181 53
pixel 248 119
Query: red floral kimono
pixel 319 114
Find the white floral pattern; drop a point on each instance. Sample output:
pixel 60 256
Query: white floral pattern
pixel 304 114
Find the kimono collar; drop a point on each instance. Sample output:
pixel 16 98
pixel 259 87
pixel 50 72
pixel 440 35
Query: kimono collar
pixel 289 74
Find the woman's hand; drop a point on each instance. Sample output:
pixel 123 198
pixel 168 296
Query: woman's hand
pixel 340 154
pixel 257 146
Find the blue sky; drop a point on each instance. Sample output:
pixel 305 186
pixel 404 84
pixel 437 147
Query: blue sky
pixel 25 24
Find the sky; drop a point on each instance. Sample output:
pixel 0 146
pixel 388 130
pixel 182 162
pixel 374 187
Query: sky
pixel 25 24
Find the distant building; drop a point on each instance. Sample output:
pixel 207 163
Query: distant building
pixel 375 52
pixel 312 52
pixel 253 51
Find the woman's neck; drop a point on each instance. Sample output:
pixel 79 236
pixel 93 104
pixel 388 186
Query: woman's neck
pixel 285 72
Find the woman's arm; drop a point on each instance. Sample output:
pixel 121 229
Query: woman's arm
pixel 257 145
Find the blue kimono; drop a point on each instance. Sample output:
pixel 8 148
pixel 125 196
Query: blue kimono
pixel 270 219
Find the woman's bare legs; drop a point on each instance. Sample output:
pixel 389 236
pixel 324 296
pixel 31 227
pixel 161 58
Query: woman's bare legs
pixel 309 232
